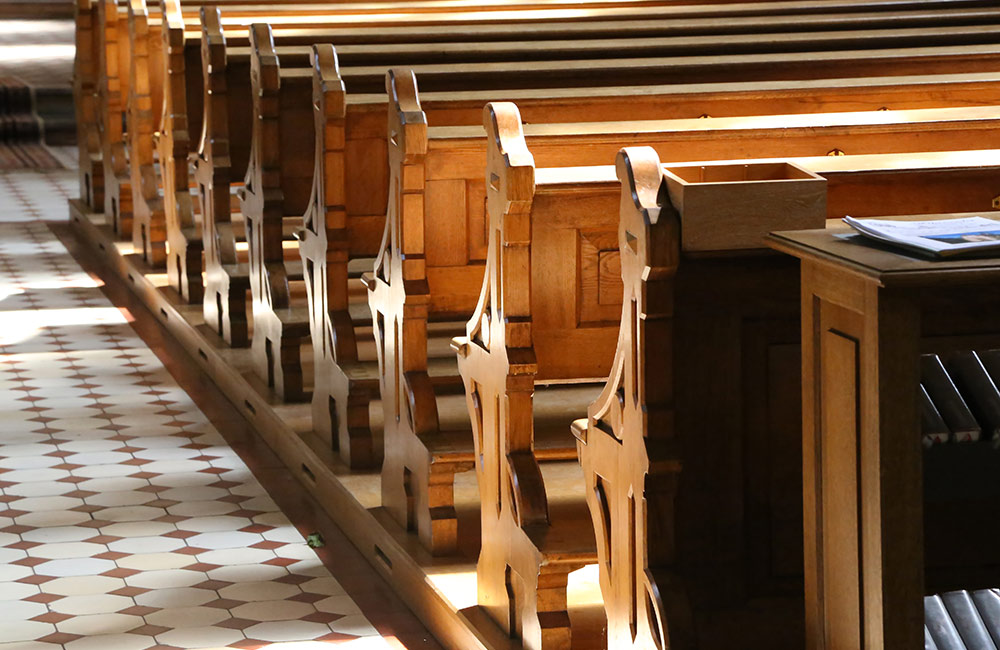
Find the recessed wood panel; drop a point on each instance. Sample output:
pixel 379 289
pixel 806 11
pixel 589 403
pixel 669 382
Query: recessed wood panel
pixel 838 440
pixel 445 225
pixel 600 279
pixel 367 193
pixel 475 199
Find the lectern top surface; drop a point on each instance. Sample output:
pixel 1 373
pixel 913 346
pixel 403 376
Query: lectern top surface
pixel 839 245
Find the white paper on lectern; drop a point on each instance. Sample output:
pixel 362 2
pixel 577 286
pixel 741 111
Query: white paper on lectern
pixel 942 237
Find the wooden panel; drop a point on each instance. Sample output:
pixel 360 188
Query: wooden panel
pixel 475 192
pixel 912 192
pixel 609 271
pixel 555 281
pixel 445 226
pixel 600 279
pixel 367 193
pixel 771 398
pixel 839 468
pixel 784 447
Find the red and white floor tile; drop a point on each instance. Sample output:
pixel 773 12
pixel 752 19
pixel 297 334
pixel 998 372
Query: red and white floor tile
pixel 126 521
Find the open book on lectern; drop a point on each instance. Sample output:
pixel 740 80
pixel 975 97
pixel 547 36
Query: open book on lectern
pixel 969 236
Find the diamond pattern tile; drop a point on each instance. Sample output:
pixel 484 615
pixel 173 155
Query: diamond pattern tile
pixel 126 522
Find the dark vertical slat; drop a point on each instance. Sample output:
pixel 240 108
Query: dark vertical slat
pixel 929 640
pixel 978 389
pixel 933 428
pixel 988 603
pixel 947 399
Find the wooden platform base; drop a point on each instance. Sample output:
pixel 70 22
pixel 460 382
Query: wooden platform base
pixel 440 591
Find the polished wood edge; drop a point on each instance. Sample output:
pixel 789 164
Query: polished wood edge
pixel 947 271
pixel 782 244
pixel 396 556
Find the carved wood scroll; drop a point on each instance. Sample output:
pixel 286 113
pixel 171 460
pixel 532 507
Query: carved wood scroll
pixel 628 444
pixel 226 277
pixel 184 245
pixel 524 563
pixel 343 387
pixel 112 89
pixel 267 197
pixel 148 221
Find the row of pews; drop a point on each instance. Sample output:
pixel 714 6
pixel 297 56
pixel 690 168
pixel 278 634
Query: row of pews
pixel 525 239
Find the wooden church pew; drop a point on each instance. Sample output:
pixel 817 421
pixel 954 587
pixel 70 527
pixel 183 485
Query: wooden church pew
pixel 118 147
pixel 712 565
pixel 113 14
pixel 85 74
pixel 354 192
pixel 322 400
pixel 115 46
pixel 167 147
pixel 498 76
pixel 442 176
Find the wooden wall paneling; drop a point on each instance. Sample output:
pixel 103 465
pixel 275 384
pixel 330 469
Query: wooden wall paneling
pixel 628 444
pixel 272 191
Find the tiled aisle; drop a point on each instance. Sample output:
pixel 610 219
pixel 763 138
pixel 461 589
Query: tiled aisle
pixel 129 521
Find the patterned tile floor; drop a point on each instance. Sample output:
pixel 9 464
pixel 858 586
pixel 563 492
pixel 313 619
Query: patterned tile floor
pixel 126 521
